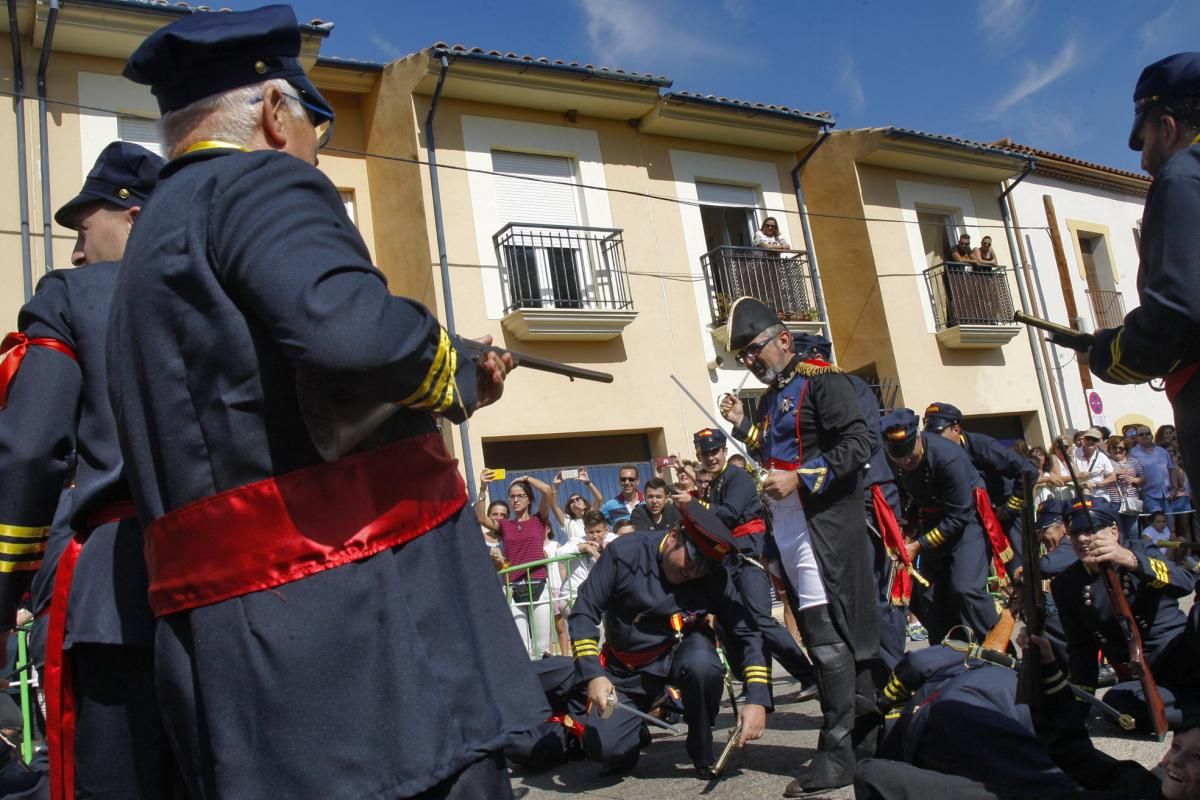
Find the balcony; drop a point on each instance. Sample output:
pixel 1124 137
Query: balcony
pixel 972 305
pixel 1108 308
pixel 563 282
pixel 781 279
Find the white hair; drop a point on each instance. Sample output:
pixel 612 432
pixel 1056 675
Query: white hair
pixel 229 116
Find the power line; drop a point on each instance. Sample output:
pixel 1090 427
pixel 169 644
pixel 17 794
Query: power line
pixel 533 178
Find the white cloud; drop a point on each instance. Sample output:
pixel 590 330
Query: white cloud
pixel 1002 21
pixel 389 49
pixel 848 80
pixel 1038 77
pixel 628 29
pixel 1159 32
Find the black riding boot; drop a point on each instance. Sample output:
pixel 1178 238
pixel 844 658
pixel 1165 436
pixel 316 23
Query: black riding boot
pixel 837 677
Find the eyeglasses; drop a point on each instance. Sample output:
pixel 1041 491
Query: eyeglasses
pixel 518 497
pixel 628 480
pixel 751 351
pixel 1143 433
pixel 317 116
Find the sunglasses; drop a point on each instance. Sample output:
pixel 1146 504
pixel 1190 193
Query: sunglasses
pixel 628 480
pixel 751 351
pixel 1116 449
pixel 323 128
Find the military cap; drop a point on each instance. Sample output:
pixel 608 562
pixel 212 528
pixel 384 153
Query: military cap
pixel 1089 510
pixel 900 431
pixel 1175 77
pixel 707 439
pixel 206 53
pixel 811 343
pixel 747 319
pixel 941 415
pixel 614 511
pixel 123 176
pixel 1049 512
pixel 705 530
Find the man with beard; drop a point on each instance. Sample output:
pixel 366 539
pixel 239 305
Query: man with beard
pixel 812 437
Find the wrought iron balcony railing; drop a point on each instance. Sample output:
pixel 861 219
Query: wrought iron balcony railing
pixel 779 278
pixel 969 294
pixel 561 266
pixel 1108 308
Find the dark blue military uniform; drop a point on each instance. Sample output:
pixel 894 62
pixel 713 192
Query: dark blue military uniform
pixel 733 499
pixel 654 635
pixel 120 748
pixel 954 551
pixel 1052 564
pixel 335 678
pixel 1161 335
pixel 959 716
pixel 1090 623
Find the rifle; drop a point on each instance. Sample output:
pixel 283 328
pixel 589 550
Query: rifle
pixel 338 422
pixel 1033 603
pixel 1067 337
pixel 1129 626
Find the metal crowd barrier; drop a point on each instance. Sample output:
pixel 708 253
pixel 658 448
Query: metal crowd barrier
pixel 535 607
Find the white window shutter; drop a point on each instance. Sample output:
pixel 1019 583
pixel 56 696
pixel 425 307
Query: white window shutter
pixel 139 131
pixel 535 201
pixel 723 194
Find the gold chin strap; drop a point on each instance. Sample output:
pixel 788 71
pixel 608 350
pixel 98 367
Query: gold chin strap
pixel 213 144
pixel 1196 140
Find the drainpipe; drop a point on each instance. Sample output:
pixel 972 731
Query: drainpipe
pixel 22 178
pixel 43 134
pixel 464 430
pixel 806 229
pixel 1039 367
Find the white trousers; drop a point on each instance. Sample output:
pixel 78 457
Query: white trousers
pixel 790 527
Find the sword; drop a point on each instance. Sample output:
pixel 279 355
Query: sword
pixel 613 704
pixel 737 445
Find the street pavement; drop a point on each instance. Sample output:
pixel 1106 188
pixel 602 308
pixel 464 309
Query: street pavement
pixel 762 770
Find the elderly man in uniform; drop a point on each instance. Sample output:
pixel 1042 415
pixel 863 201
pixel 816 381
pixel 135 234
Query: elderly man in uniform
pixel 104 731
pixel 733 497
pixel 651 593
pixel 940 484
pixel 329 628
pixel 812 437
pixel 1000 467
pixel 1153 587
pixel 1161 336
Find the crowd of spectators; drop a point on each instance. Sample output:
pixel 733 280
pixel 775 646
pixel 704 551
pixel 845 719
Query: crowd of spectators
pixel 518 530
pixel 1139 470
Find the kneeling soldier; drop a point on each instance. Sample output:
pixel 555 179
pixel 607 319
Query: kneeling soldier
pixel 652 593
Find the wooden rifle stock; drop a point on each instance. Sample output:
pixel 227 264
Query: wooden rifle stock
pixel 1030 690
pixel 477 350
pixel 1129 627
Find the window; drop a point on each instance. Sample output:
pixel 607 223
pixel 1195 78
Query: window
pixel 543 262
pixel 139 130
pixel 1108 308
pixel 728 214
pixel 347 196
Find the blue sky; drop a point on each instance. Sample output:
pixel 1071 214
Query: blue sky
pixel 1054 75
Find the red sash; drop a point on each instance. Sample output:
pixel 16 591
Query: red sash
pixel 750 528
pixel 893 540
pixel 1178 379
pixel 635 660
pixel 12 351
pixel 1001 551
pixel 59 688
pixel 282 529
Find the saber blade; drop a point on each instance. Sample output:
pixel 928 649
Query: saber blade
pixel 613 702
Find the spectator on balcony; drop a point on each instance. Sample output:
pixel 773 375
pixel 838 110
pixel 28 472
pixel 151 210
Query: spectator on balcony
pixel 1126 492
pixel 629 494
pixel 1094 469
pixel 984 255
pixel 655 513
pixel 570 515
pixel 961 254
pixel 768 236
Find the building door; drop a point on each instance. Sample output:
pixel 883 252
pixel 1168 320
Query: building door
pixel 937 227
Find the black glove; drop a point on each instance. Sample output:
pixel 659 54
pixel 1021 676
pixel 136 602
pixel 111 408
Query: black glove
pixel 1079 342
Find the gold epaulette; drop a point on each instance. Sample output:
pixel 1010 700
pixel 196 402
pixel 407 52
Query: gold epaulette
pixel 808 369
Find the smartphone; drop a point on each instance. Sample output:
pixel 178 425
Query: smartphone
pixel 498 474
pixel 570 473
pixel 662 462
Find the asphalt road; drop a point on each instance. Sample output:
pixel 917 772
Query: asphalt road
pixel 762 770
